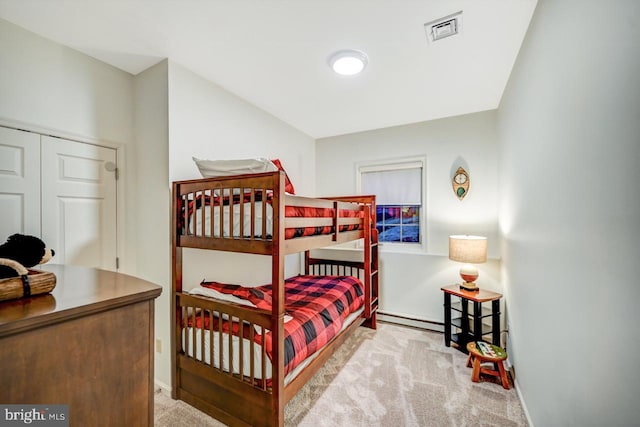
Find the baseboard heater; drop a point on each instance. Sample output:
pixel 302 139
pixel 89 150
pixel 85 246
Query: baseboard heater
pixel 402 319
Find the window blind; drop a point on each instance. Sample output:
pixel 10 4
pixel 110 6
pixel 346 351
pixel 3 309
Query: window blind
pixel 395 186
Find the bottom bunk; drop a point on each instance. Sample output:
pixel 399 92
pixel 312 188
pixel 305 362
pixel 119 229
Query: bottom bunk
pixel 224 363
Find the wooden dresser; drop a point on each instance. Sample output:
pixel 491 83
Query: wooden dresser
pixel 88 344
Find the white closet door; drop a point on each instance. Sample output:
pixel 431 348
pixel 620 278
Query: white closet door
pixel 79 202
pixel 19 183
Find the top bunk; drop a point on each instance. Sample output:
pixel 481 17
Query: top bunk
pixel 253 213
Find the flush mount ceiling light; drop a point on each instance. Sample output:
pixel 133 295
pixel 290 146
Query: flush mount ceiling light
pixel 348 62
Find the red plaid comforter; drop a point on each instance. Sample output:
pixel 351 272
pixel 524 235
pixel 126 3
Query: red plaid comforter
pixel 290 212
pixel 318 306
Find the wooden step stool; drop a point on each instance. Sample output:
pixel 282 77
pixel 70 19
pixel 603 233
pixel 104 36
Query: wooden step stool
pixel 477 357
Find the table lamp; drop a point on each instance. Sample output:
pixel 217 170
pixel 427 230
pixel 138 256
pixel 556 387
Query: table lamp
pixel 469 250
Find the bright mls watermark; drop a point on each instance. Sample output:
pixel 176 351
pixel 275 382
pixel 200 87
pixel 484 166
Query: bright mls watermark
pixel 34 415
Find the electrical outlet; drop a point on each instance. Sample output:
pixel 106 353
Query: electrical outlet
pixel 158 345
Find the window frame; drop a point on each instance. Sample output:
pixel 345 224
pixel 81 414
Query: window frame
pixel 411 162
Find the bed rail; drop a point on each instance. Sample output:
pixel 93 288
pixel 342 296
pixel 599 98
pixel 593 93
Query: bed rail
pixel 229 369
pixel 245 214
pixel 207 322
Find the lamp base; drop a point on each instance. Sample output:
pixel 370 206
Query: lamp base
pixel 469 286
pixel 469 274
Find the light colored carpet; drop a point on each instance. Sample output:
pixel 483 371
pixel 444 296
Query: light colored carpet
pixel 394 376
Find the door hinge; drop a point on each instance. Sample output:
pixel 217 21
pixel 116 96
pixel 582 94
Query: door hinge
pixel 117 263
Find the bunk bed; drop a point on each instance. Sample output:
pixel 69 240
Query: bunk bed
pixel 231 357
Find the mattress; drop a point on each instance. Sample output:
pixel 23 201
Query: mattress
pixel 256 217
pixel 247 218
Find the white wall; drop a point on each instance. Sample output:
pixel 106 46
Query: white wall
pixel 410 283
pixel 569 128
pixel 152 199
pixel 45 84
pixel 209 122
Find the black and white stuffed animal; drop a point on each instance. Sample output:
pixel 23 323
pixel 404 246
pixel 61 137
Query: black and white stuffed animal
pixel 26 250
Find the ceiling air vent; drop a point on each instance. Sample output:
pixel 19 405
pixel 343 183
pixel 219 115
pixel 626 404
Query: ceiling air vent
pixel 444 27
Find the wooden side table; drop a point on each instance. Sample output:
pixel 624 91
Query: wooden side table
pixel 470 324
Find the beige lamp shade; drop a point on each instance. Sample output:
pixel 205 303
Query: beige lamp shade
pixel 468 250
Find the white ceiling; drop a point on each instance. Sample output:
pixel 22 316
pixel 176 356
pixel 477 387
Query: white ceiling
pixel 273 53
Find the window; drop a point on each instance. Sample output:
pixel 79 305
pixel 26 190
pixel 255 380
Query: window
pixel 398 187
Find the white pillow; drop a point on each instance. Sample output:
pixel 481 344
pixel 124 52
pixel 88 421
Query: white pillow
pixel 208 292
pixel 215 168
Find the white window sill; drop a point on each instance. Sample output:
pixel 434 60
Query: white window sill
pixel 402 248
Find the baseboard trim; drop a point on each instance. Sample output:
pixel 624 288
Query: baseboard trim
pixel 524 406
pixel 164 388
pixel 416 322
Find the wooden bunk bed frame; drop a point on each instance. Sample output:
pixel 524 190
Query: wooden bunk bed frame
pixel 239 398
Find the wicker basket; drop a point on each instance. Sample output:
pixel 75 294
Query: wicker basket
pixel 30 282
